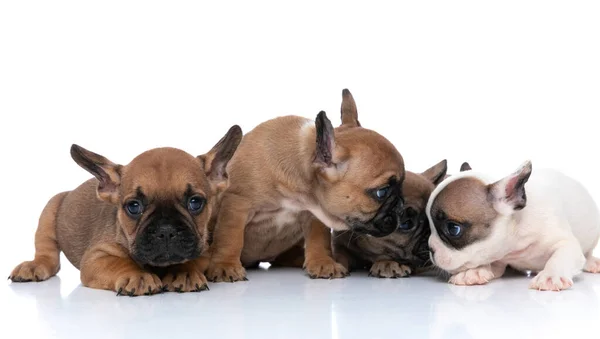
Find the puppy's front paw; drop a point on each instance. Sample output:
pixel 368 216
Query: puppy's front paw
pixel 473 276
pixel 325 268
pixel 389 269
pixel 546 281
pixel 36 270
pixel 226 272
pixel 138 283
pixel 183 281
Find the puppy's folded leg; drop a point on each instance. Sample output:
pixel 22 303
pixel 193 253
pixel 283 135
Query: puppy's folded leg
pixel 228 240
pixel 565 262
pixel 108 266
pixel 318 259
pixel 478 276
pixel 187 277
pixel 46 262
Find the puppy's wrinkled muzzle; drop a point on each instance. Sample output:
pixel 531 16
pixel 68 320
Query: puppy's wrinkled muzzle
pixel 166 242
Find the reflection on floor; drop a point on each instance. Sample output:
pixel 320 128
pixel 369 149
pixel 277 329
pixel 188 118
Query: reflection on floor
pixel 284 303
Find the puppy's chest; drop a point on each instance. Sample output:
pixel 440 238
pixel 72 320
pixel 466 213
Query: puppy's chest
pixel 277 219
pixel 533 257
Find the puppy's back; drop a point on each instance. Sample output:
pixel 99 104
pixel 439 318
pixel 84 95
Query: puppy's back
pixel 552 194
pixel 275 148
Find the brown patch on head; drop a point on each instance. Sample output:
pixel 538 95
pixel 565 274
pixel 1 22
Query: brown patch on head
pixel 463 213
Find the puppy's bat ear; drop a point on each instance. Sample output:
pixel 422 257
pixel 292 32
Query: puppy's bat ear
pixel 107 172
pixel 508 194
pixel 465 167
pixel 325 141
pixel 437 172
pixel 216 160
pixel 348 110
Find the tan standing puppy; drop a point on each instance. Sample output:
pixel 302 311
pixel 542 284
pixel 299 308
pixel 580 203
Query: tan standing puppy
pixel 288 170
pixel 135 229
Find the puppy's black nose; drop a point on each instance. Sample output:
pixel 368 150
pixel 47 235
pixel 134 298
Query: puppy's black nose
pixel 166 232
pixel 388 224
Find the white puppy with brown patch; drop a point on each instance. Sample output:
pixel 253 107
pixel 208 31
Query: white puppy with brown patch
pixel 479 227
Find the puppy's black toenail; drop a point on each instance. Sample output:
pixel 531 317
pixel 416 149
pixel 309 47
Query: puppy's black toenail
pixel 119 291
pixel 132 292
pixel 205 287
pixel 245 279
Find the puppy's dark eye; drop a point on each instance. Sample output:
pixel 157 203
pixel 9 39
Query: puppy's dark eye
pixel 454 229
pixel 134 208
pixel 408 224
pixel 196 204
pixel 382 192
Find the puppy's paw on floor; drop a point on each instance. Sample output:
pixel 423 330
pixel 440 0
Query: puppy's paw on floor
pixel 185 281
pixel 325 268
pixel 36 270
pixel 138 283
pixel 389 269
pixel 221 272
pixel 592 265
pixel 545 281
pixel 474 276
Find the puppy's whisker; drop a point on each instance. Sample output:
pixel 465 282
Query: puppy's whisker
pixel 340 234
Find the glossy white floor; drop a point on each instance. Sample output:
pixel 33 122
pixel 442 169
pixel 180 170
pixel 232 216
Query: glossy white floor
pixel 284 303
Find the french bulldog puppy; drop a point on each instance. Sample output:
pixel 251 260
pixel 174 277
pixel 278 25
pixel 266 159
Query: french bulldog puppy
pixel 405 250
pixel 543 222
pixel 134 229
pixel 288 170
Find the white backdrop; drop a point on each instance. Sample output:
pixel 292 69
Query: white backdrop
pixel 494 83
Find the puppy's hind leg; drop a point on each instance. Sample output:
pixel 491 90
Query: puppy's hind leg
pixel 566 261
pixel 46 262
pixel 592 264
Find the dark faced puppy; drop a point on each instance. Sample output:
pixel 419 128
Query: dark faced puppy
pixel 135 229
pixel 403 251
pixel 406 250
